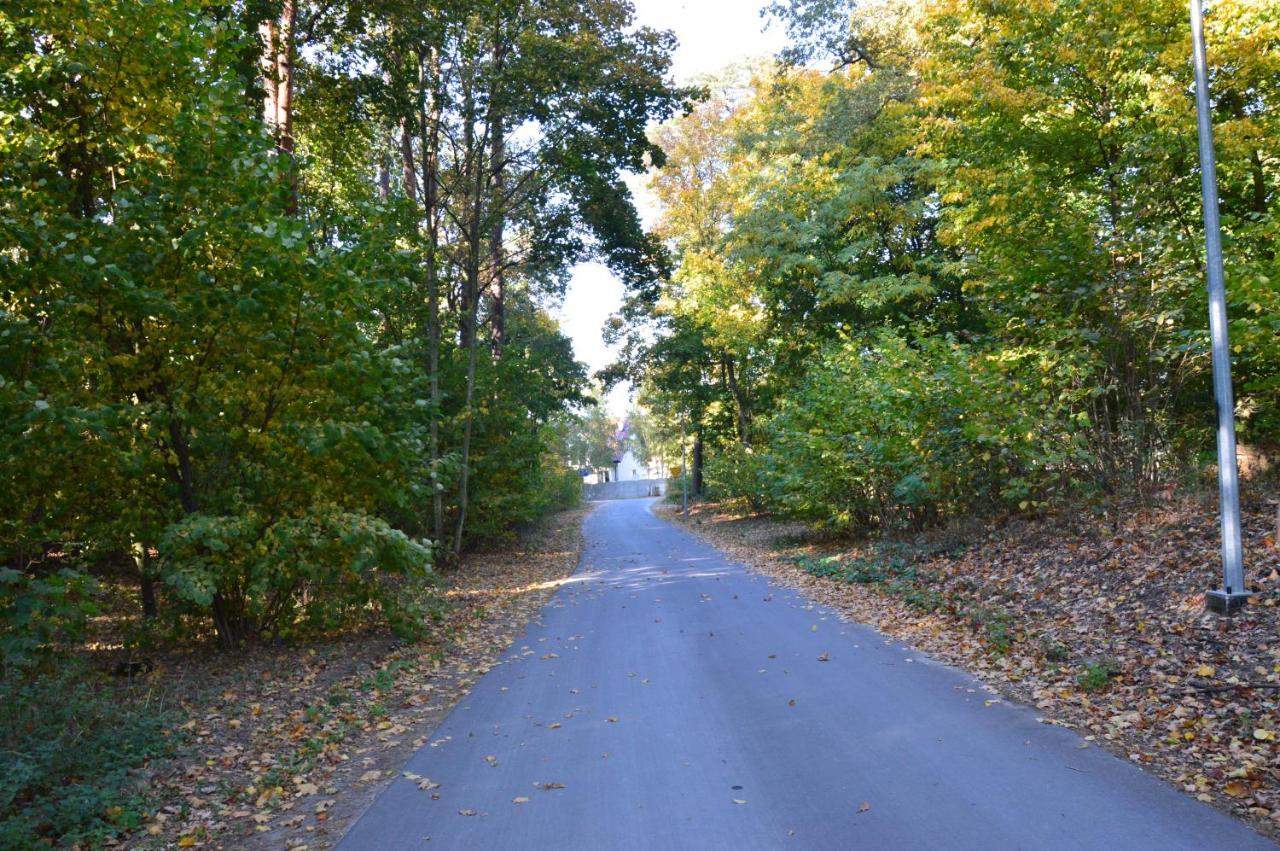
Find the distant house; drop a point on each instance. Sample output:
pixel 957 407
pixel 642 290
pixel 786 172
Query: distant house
pixel 627 466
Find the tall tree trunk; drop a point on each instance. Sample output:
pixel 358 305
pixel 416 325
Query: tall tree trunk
pixel 740 402
pixel 697 463
pixel 430 127
pixel 475 183
pixel 408 172
pixel 497 185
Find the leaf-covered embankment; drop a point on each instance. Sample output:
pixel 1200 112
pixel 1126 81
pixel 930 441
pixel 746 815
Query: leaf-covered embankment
pixel 1097 621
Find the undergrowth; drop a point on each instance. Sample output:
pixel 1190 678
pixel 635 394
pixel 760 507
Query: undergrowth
pixel 70 747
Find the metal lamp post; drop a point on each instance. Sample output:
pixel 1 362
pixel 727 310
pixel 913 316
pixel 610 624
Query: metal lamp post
pixel 1232 595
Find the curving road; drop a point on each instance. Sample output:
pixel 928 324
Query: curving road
pixel 669 699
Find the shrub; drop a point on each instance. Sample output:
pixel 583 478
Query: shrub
pixel 317 571
pixel 40 612
pixel 1097 674
pixel 896 431
pixel 737 473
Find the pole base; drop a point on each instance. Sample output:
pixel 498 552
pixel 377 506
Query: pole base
pixel 1226 602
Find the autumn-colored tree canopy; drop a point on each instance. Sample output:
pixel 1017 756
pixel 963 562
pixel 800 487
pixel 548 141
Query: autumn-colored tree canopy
pixel 948 256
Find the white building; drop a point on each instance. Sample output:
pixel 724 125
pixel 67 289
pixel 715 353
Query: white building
pixel 629 468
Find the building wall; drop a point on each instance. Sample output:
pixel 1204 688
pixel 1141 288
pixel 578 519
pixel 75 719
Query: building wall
pixel 634 489
pixel 631 469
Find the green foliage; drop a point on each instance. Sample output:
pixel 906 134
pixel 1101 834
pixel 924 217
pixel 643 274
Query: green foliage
pixel 39 613
pixel 70 747
pixel 962 270
pixel 893 431
pixel 240 353
pixel 894 576
pixel 737 473
pixel 319 570
pixel 1097 674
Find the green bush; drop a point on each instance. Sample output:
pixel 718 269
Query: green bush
pixel 561 486
pixel 69 747
pixel 895 431
pixel 737 473
pixel 317 571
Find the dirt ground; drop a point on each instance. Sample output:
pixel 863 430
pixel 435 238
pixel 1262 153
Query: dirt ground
pixel 288 746
pixel 1094 618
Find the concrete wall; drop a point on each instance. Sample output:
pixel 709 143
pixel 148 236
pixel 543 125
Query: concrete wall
pixel 634 489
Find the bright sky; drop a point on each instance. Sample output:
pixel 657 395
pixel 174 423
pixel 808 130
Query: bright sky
pixel 712 34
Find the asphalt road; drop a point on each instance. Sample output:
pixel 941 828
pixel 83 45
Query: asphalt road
pixel 669 699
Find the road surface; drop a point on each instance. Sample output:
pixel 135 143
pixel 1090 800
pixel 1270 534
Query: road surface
pixel 670 699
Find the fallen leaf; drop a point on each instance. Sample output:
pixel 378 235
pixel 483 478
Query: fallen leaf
pixel 864 806
pixel 824 658
pixel 1236 789
pixel 520 800
pixel 466 812
pixel 738 801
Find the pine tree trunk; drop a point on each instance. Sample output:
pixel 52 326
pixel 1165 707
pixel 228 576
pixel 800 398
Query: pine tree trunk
pixel 277 82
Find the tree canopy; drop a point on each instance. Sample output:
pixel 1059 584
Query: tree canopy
pixel 946 256
pixel 275 279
